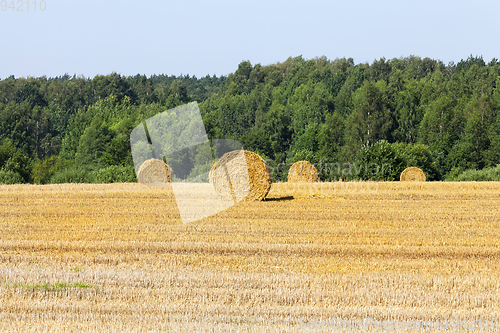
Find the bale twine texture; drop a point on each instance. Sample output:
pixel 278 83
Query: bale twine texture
pixel 412 174
pixel 241 175
pixel 302 171
pixel 153 171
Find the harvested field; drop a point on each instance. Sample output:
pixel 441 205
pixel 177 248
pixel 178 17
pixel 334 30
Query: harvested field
pixel 80 257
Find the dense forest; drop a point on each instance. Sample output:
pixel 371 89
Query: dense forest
pixel 337 114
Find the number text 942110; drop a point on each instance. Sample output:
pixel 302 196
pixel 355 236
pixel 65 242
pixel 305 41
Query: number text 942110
pixel 23 5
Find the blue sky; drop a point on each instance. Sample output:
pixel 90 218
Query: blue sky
pixel 213 37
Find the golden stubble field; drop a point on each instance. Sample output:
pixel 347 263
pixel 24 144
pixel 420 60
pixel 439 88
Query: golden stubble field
pixel 80 257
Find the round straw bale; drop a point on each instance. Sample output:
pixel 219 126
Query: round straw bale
pixel 302 171
pixel 412 174
pixel 153 171
pixel 246 173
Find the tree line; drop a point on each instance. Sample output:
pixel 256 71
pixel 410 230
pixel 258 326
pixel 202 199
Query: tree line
pixel 334 113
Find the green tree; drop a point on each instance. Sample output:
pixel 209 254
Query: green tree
pixel 371 120
pixel 179 91
pixel 380 161
pixel 43 170
pixel 379 70
pixel 465 65
pixel 17 125
pixel 408 112
pixel 420 156
pixel 103 86
pixel 257 141
pixel 471 151
pixel 437 126
pixel 308 140
pixel 29 92
pixel 92 144
pixel 15 164
pixel 277 124
pixel 309 105
pixel 117 151
pixel 331 138
pixel 343 100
